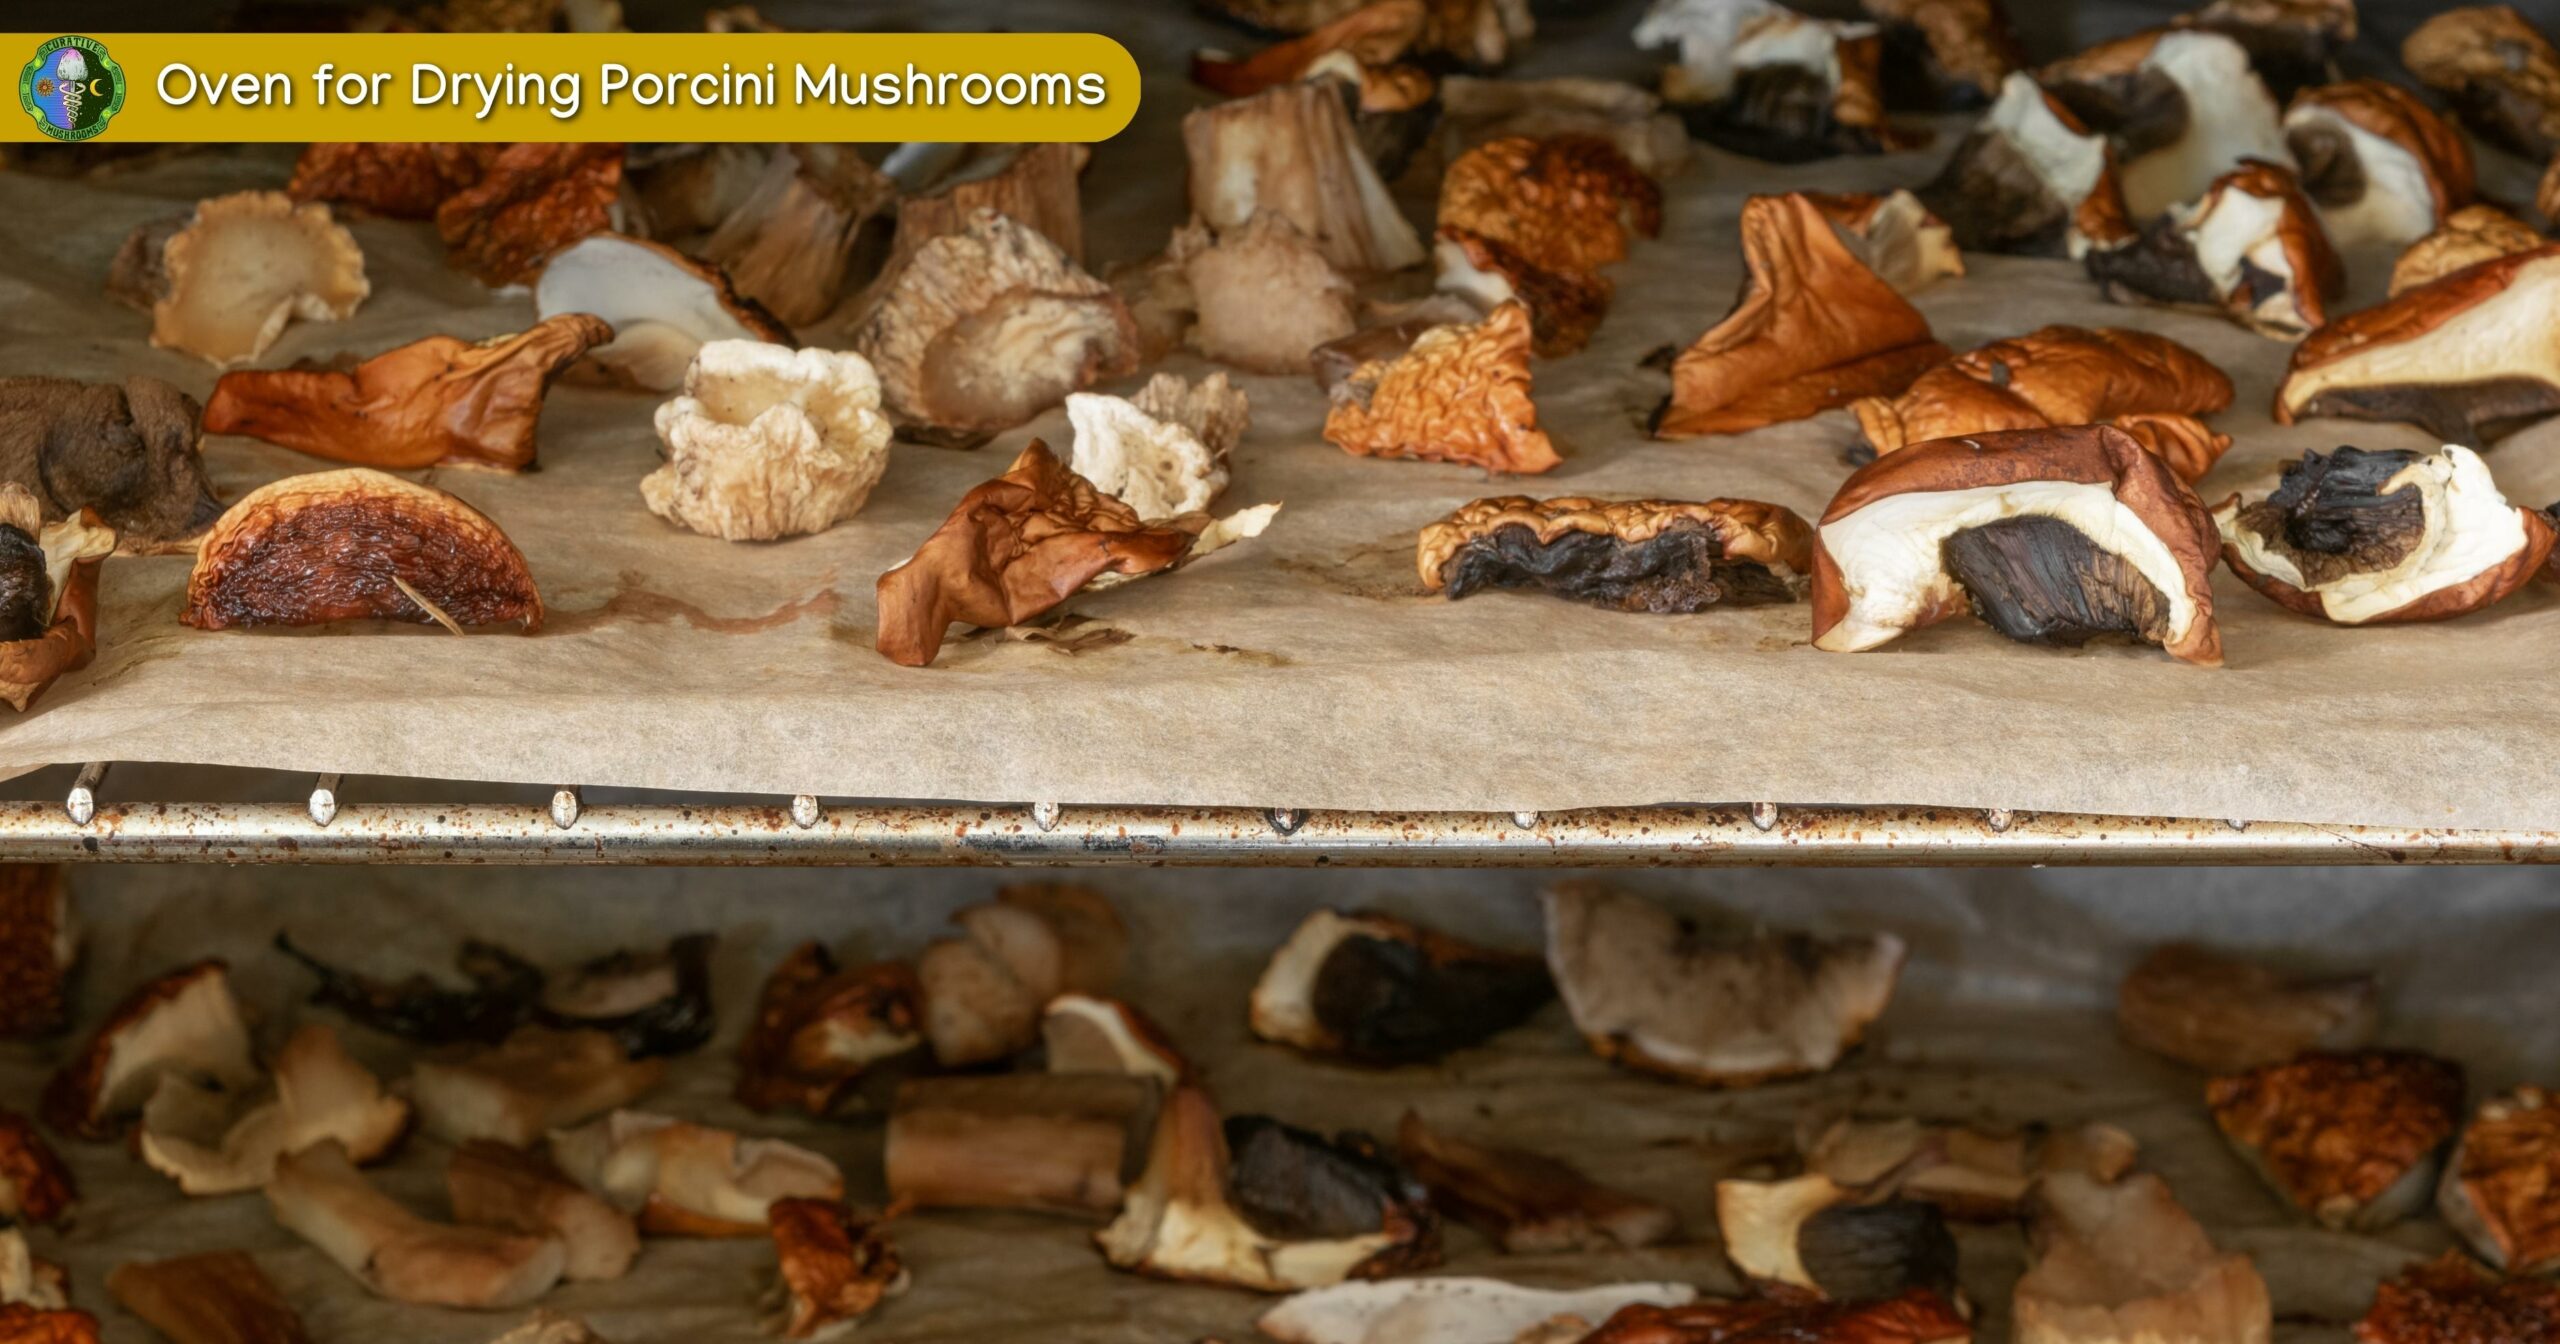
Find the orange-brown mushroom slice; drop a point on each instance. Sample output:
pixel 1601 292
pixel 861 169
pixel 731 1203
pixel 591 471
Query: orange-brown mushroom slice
pixel 531 201
pixel 2144 384
pixel 2353 1140
pixel 2468 237
pixel 1459 394
pixel 400 181
pixel 2470 358
pixel 2500 72
pixel 357 544
pixel 1567 203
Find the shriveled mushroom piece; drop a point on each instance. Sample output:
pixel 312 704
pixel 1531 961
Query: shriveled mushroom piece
pixel 1460 393
pixel 2293 44
pixel 2053 536
pixel 821 1030
pixel 1635 555
pixel 1896 236
pixel 767 442
pixel 2181 106
pixel 1916 1317
pixel 687 1180
pixel 530 201
pixel 184 1022
pixel 48 594
pixel 1964 1172
pixel 357 544
pixel 538 1080
pixel 503 987
pixel 789 241
pixel 1451 1310
pixel 1758 78
pixel 318 1195
pixel 1814 329
pixel 984 989
pixel 2501 73
pixel 662 305
pixel 2125 1262
pixel 244 266
pixel 1375 989
pixel 1814 1236
pixel 399 181
pixel 2252 248
pixel 2497 1188
pixel 651 1003
pixel 2452 1300
pixel 1259 1205
pixel 1261 295
pixel 442 401
pixel 1292 150
pixel 35 1187
pixel 215 1140
pixel 1083 1034
pixel 1067 1143
pixel 1567 203
pixel 1530 1203
pixel 2224 1015
pixel 218 1297
pixel 2031 179
pixel 2360 537
pixel 2147 385
pixel 129 452
pixel 1377 33
pixel 1163 449
pixel 1565 307
pixel 493 1185
pixel 1656 992
pixel 1945 53
pixel 2469 236
pixel 1473 111
pixel 2353 1140
pixel 833 1268
pixel 2470 358
pixel 986 328
pixel 946 185
pixel 39 945
pixel 2384 169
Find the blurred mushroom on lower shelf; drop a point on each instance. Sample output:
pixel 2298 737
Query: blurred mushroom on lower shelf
pixel 318 1195
pixel 2355 1141
pixel 538 1080
pixel 1815 1237
pixel 217 1297
pixel 48 594
pixel 824 1034
pixel 218 1140
pixel 2126 1262
pixel 2225 1015
pixel 1451 1310
pixel 682 1179
pixel 493 1185
pixel 1374 989
pixel 832 1268
pixel 1066 1143
pixel 183 1022
pixel 2497 1186
pixel 1529 1203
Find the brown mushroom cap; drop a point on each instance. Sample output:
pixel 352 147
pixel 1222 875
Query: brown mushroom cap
pixel 835 1268
pixel 1565 307
pixel 1379 990
pixel 1460 393
pixel 217 1297
pixel 2497 1188
pixel 2467 237
pixel 2062 376
pixel 2225 1015
pixel 28 666
pixel 39 944
pixel 2384 109
pixel 401 181
pixel 1568 204
pixel 2351 1139
pixel 1727 551
pixel 819 1029
pixel 1969 41
pixel 2468 357
pixel 2502 74
pixel 530 201
pixel 340 545
pixel 129 452
pixel 788 243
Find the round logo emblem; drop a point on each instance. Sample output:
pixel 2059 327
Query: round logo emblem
pixel 72 88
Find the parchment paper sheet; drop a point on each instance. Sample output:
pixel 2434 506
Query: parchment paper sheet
pixel 1304 669
pixel 2004 1017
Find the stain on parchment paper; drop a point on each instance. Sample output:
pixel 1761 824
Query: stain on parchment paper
pixel 634 603
pixel 1381 570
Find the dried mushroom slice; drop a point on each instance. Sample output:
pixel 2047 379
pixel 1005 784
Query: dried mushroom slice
pixel 1459 394
pixel 1448 1310
pixel 2452 1300
pixel 1080 1033
pixel 1565 307
pixel 1655 992
pixel 1067 1143
pixel 1567 204
pixel 2497 1188
pixel 1649 555
pixel 2252 248
pixel 244 266
pixel 1897 237
pixel 788 243
pixel 821 1030
pixel 129 452
pixel 2384 169
pixel 1262 295
pixel 35 1187
pixel 2353 1140
pixel 983 991
pixel 318 1195
pixel 2224 1015
pixel 2124 1262
pixel 662 305
pixel 1811 1237
pixel 185 1022
pixel 767 442
pixel 2470 358
pixel 492 1185
pixel 2030 179
pixel 2360 538
pixel 1945 53
pixel 1163 450
pixel 2181 106
pixel 538 1080
pixel 1292 150
pixel 2147 385
pixel 651 1003
pixel 1814 329
pixel 216 1297
pixel 501 994
pixel 39 945
pixel 357 544
pixel 2293 44
pixel 1760 79
pixel 832 1268
pixel 399 181
pixel 1527 1202
pixel 1965 1173
pixel 1916 1317
pixel 2501 73
pixel 1378 33
pixel 441 401
pixel 531 200
pixel 687 1180
pixel 946 185
pixel 2468 237
pixel 1473 111
pixel 48 594
pixel 2054 536
pixel 24 1324
pixel 217 1140
pixel 1378 990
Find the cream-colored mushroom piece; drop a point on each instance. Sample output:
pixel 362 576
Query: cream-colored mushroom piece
pixel 663 306
pixel 767 442
pixel 1263 297
pixel 1292 150
pixel 2194 83
pixel 201 1135
pixel 687 1180
pixel 318 1195
pixel 244 267
pixel 537 1080
pixel 1163 450
pixel 2121 1262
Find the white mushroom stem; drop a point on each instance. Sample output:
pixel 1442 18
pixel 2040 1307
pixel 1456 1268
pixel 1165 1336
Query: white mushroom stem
pixel 318 1195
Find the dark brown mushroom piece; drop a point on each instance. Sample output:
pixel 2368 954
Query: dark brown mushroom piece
pixel 39 945
pixel 826 1036
pixel 26 592
pixel 1813 1235
pixel 1916 1317
pixel 2252 249
pixel 650 1003
pixel 2353 1140
pixel 1944 55
pixel 1529 1203
pixel 1067 1143
pixel 502 991
pixel 2181 106
pixel 2500 72
pixel 2453 1300
pixel 1762 80
pixel 1298 1185
pixel 127 451
pixel 832 1268
pixel 1379 990
pixel 1639 555
pixel 218 1297
pixel 2292 44
pixel 358 544
pixel 36 1188
pixel 2225 1015
pixel 2030 179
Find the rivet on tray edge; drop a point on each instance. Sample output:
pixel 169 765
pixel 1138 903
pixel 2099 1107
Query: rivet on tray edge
pixel 804 810
pixel 564 808
pixel 1764 815
pixel 1045 816
pixel 81 804
pixel 1286 820
pixel 324 800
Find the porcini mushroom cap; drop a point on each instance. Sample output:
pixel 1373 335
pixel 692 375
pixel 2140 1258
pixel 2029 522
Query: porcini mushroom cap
pixel 1744 530
pixel 2453 1300
pixel 2468 236
pixel 661 304
pixel 2353 1140
pixel 2057 376
pixel 2497 1185
pixel 1569 204
pixel 2501 73
pixel 339 545
pixel 1380 990
pixel 767 442
pixel 2031 178
pixel 2253 248
pixel 834 1268
pixel 1263 294
pixel 818 1029
pixel 246 265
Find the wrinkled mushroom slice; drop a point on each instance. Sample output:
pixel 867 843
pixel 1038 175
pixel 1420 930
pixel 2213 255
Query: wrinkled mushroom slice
pixel 2501 73
pixel 2224 1015
pixel 2384 169
pixel 650 1003
pixel 2052 536
pixel 39 946
pixel 1814 329
pixel 246 265
pixel 1379 990
pixel 1655 992
pixel 357 544
pixel 1945 53
pixel 1081 1033
pixel 1649 555
pixel 2147 385
pixel 2293 44
pixel 832 1268
pixel 1529 1203
pixel 1812 1235
pixel 441 401
pixel 788 243
pixel 400 181
pixel 48 594
pixel 1569 204
pixel 2359 538
pixel 984 991
pixel 24 1324
pixel 2470 358
pixel 2468 237
pixel 2352 1140
pixel 662 305
pixel 1450 1310
pixel 820 1030
pixel 2452 1300
pixel 502 989
pixel 2497 1188
pixel 2252 248
pixel 1565 307
pixel 129 452
pixel 184 1022
pixel 1378 33
pixel 213 1140
pixel 493 1185
pixel 1460 393
pixel 2031 179
pixel 538 1080
pixel 1760 79
pixel 767 442
pixel 1916 1317
pixel 318 1195
pixel 2125 1261
pixel 2181 106
pixel 687 1180
pixel 219 1297
pixel 1965 1173
pixel 1473 111
pixel 1162 451
pixel 1047 1142
pixel 1895 235
pixel 531 200
pixel 1292 150
pixel 35 1187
